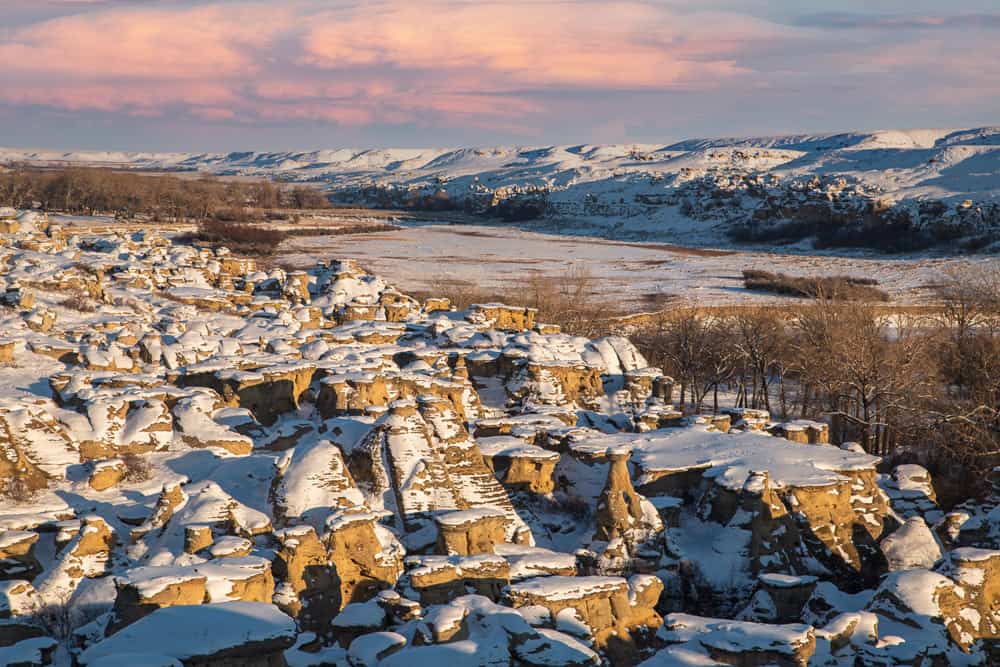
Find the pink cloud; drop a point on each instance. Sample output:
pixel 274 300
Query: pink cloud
pixel 429 62
pixel 534 44
pixel 147 44
pixel 397 60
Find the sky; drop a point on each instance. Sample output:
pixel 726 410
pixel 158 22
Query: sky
pixel 227 75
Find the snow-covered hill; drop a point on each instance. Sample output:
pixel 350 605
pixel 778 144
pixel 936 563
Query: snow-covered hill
pixel 704 188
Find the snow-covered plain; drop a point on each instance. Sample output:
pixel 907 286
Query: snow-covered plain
pixel 636 276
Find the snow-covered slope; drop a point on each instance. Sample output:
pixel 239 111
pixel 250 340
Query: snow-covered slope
pixel 908 151
pixel 926 179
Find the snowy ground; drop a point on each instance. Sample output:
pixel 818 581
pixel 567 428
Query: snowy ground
pixel 497 257
pixel 637 276
pixel 617 191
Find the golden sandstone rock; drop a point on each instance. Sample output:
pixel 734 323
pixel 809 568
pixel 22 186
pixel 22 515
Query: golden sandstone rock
pixel 106 474
pixel 145 590
pixel 170 498
pixel 525 468
pixel 302 564
pixel 133 601
pixel 400 424
pixel 17 555
pixel 197 538
pixel 976 577
pixel 362 564
pixel 351 564
pixel 612 608
pixel 470 532
pixel 504 317
pixel 7 350
pixel 434 305
pixel 619 508
pixel 438 579
pixel 804 431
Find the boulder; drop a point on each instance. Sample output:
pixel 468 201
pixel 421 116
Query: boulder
pixel 734 642
pixel 471 532
pixel 503 317
pixel 612 608
pixel 438 579
pixel 17 555
pixel 106 474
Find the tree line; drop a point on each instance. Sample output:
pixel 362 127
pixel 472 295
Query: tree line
pixel 159 198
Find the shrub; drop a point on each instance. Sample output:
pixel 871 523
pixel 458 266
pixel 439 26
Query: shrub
pixel 159 197
pixel 60 616
pixel 16 490
pixel 842 288
pixel 233 214
pixel 783 232
pixel 345 230
pixel 303 196
pixel 80 301
pixel 566 502
pixel 245 238
pixel 888 236
pixel 463 293
pixel 977 243
pixel 137 469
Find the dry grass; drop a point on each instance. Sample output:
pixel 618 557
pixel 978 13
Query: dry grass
pixel 248 239
pixel 568 299
pixel 659 300
pixel 345 230
pixel 17 490
pixel 79 301
pixel 464 293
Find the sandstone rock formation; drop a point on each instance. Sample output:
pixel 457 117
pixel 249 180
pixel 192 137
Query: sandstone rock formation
pixel 229 464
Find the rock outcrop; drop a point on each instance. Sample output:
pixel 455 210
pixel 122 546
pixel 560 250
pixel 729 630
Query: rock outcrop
pixel 230 464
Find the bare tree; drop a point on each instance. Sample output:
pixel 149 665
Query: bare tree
pixel 761 341
pixel 868 367
pixel 970 311
pixel 696 349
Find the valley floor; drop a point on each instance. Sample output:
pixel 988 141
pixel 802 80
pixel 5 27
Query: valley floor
pixel 637 276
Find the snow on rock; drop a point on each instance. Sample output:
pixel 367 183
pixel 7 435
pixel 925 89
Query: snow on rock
pixel 493 635
pixel 728 459
pixel 911 492
pixel 227 464
pixel 606 606
pixel 728 641
pixel 911 545
pixel 371 648
pixel 312 480
pixel 233 630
